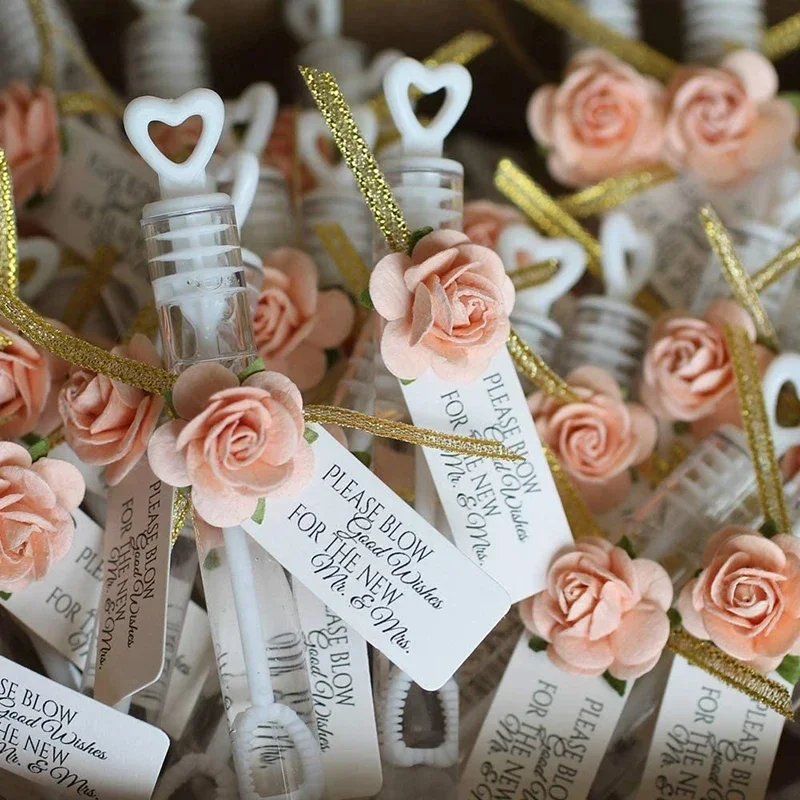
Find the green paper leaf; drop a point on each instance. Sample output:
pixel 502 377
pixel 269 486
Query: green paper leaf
pixel 365 300
pixel 634 474
pixel 407 381
pixel 627 545
pixel 332 355
pixel 793 98
pixel 35 201
pixel 789 669
pixel 615 683
pixel 680 428
pixel 251 369
pixel 5 595
pixel 769 528
pixel 167 395
pixel 212 561
pixel 675 620
pixel 39 449
pixel 310 435
pixel 364 457
pixel 416 236
pixel 258 514
pixel 537 644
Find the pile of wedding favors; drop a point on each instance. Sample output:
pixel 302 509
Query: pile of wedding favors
pixel 322 477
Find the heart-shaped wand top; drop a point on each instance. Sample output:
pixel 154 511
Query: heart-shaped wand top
pixel 418 139
pixel 188 178
pixel 309 20
pixel 256 110
pixel 519 242
pixel 628 256
pixel 784 369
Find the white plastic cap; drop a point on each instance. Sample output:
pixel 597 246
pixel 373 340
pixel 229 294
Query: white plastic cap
pixel 571 257
pixel 629 256
pixel 418 139
pixel 783 369
pixel 313 19
pixel 188 178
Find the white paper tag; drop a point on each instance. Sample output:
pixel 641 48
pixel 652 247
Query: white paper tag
pixel 99 195
pixel 62 607
pixel 505 515
pixel 68 742
pixel 193 665
pixel 545 733
pixel 133 608
pixel 373 560
pixel 342 690
pixel 711 741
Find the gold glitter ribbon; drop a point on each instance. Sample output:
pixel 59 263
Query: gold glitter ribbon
pixel 572 18
pixel 729 670
pixel 75 103
pixel 460 50
pixel 756 427
pixel 545 213
pixel 537 372
pixel 736 275
pixel 613 192
pixel 347 259
pixel 145 322
pixel 9 255
pixel 358 157
pixel 402 432
pixel 580 519
pixel 774 270
pixel 781 39
pixel 534 274
pixel 44 33
pixel 181 505
pixel 87 293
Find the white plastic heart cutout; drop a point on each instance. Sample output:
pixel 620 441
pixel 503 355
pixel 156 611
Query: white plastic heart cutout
pixel 241 170
pixel 256 109
pixel 45 256
pixel 520 245
pixel 784 369
pixel 311 128
pixel 628 256
pixel 188 178
pixel 418 139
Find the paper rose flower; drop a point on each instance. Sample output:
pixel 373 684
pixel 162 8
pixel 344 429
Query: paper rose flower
pixel 30 137
pixel 294 323
pixel 747 598
pixel 598 439
pixel 484 221
pixel 725 124
pixel 233 444
pixel 25 382
pixel 604 119
pixel 687 370
pixel 36 527
pixel 108 423
pixel 602 611
pixel 446 307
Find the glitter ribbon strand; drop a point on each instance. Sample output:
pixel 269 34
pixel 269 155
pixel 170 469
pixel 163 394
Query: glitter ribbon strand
pixel 782 39
pixel 580 519
pixel 756 427
pixel 737 275
pixel 775 269
pixel 537 372
pixel 729 670
pixel 545 213
pixel 181 506
pixel 87 293
pixel 402 432
pixel 534 274
pixel 9 254
pixel 358 157
pixel 347 259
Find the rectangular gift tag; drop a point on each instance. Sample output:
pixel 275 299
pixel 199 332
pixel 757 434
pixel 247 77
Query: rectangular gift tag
pixel 133 608
pixel 70 743
pixel 99 195
pixel 193 665
pixel 62 607
pixel 710 741
pixel 377 564
pixel 545 734
pixel 505 515
pixel 342 690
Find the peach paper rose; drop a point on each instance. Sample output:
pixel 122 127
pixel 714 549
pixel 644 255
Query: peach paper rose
pixel 604 119
pixel 602 610
pixel 233 444
pixel 747 598
pixel 36 527
pixel 726 124
pixel 30 137
pixel 108 423
pixel 598 439
pixel 294 323
pixel 687 371
pixel 484 221
pixel 446 307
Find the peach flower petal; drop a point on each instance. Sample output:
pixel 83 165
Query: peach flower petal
pixel 65 480
pixel 756 74
pixel 194 387
pixel 334 319
pixel 162 451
